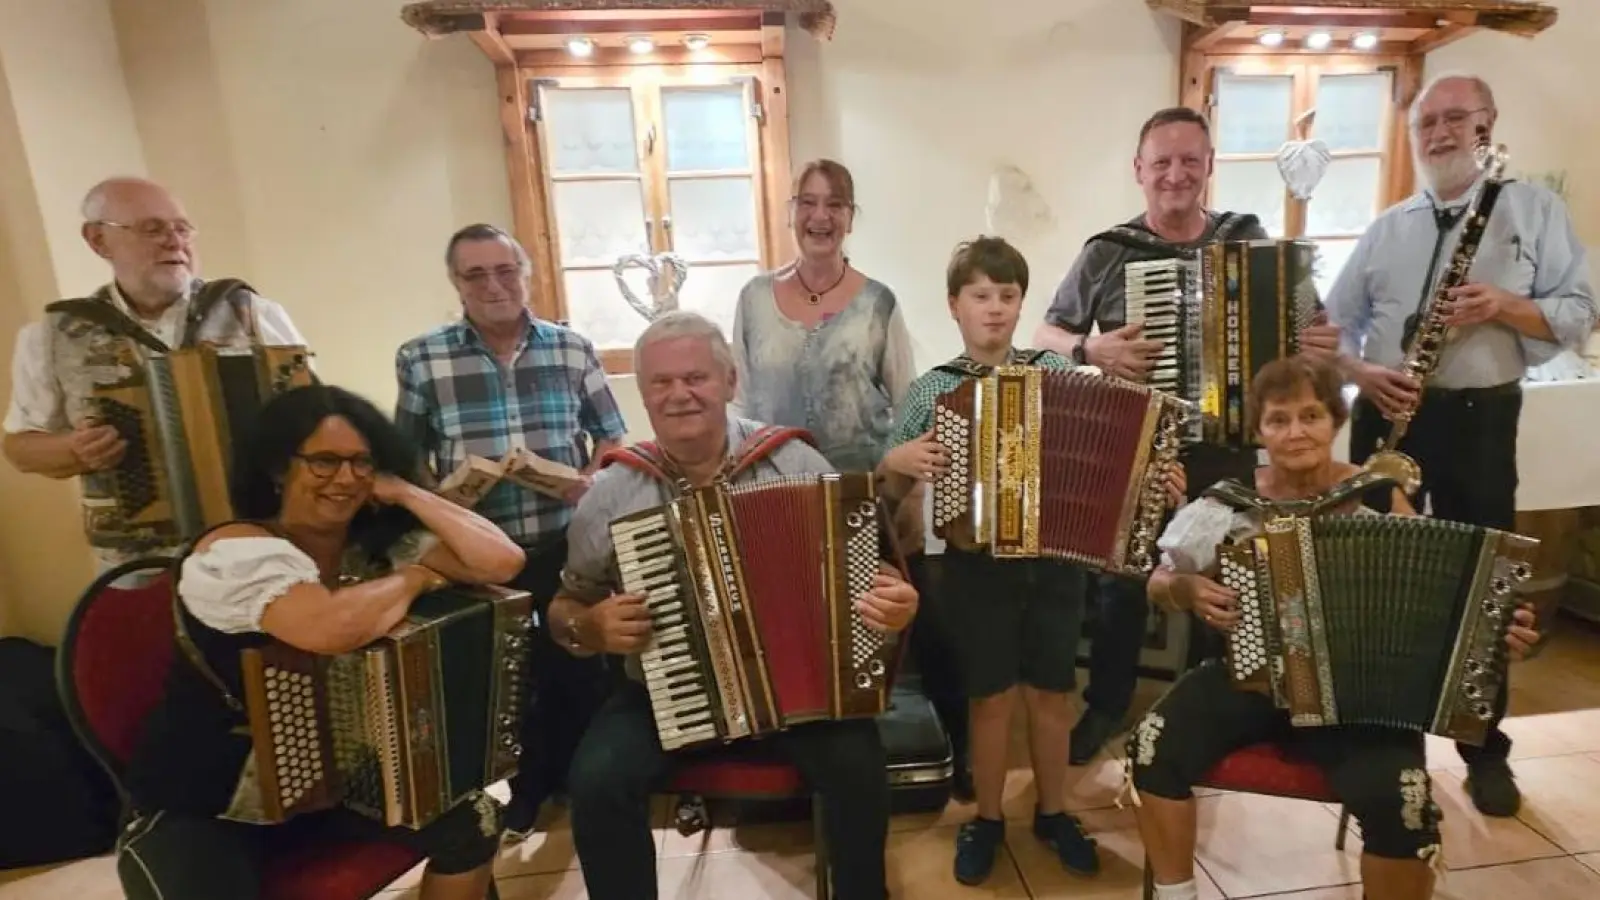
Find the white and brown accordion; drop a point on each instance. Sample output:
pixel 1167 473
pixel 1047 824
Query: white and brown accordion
pixel 1065 464
pixel 402 729
pixel 180 413
pixel 752 588
pixel 1397 621
pixel 1223 311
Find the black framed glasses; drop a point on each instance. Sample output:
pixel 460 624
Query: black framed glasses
pixel 327 465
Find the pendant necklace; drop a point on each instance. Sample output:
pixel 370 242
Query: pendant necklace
pixel 815 297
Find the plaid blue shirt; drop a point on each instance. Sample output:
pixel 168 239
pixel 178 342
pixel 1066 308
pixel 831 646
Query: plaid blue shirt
pixel 457 400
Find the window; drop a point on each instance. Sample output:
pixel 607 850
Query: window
pixel 1255 110
pixel 644 166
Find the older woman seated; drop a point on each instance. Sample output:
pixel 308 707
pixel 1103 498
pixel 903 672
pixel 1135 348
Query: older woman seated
pixel 1380 774
pixel 332 544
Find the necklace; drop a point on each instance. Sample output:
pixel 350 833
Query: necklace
pixel 815 297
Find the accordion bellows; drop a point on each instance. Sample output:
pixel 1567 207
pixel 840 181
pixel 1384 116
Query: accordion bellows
pixel 1397 621
pixel 1224 312
pixel 752 587
pixel 1066 464
pixel 402 729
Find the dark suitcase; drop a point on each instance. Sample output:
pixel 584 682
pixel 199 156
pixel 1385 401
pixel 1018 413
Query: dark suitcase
pixel 918 748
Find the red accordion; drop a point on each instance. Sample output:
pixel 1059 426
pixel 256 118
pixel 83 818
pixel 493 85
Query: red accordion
pixel 1067 464
pixel 752 588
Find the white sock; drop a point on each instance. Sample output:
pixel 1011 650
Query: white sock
pixel 1185 891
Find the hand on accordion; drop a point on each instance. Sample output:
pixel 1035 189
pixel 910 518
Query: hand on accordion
pixel 97 447
pixel 1177 485
pixel 890 604
pixel 1216 605
pixel 619 625
pixel 1320 339
pixel 923 459
pixel 1524 632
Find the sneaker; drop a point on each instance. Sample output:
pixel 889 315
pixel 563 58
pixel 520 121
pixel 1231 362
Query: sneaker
pixel 1493 788
pixel 977 843
pixel 1093 730
pixel 1064 834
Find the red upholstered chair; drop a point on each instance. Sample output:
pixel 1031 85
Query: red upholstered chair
pixel 112 668
pixel 1265 769
pixel 746 773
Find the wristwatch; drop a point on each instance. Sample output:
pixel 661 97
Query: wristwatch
pixel 1080 352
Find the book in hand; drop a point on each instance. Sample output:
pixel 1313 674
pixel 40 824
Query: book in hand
pixel 471 480
pixel 532 471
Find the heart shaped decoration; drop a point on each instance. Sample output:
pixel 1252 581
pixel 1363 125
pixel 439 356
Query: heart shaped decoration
pixel 1302 165
pixel 666 275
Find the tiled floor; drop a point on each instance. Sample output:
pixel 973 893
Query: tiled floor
pixel 1250 846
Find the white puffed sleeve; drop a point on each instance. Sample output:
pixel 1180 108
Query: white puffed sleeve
pixel 229 584
pixel 1189 545
pixel 412 547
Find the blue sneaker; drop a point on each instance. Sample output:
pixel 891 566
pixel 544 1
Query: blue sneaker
pixel 1064 834
pixel 976 845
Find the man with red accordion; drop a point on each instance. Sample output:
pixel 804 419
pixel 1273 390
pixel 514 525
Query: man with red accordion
pixel 686 375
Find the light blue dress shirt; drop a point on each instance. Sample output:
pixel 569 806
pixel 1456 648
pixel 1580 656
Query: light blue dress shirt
pixel 1529 249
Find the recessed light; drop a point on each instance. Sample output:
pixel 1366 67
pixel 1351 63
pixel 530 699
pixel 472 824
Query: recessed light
pixel 1270 38
pixel 697 42
pixel 1366 40
pixel 580 46
pixel 641 43
pixel 1319 40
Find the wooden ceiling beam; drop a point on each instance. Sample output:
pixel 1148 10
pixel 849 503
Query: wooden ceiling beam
pixel 1447 34
pixel 491 43
pixel 1327 19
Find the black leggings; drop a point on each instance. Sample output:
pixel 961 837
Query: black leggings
pixel 170 856
pixel 1380 774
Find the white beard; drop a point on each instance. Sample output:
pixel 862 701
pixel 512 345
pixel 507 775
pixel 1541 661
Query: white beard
pixel 1457 171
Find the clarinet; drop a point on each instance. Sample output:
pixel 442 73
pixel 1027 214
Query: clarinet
pixel 1427 345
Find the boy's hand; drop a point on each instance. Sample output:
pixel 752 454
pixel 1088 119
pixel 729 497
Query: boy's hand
pixel 923 459
pixel 1177 485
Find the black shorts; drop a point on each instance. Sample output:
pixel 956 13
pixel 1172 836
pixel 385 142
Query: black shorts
pixel 1014 621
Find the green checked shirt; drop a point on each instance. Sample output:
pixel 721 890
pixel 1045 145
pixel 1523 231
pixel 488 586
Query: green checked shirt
pixel 916 411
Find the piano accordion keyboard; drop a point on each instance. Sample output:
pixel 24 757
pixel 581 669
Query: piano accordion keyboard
pixel 682 697
pixel 1154 292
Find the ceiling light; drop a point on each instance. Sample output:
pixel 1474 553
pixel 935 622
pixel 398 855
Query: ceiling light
pixel 1366 40
pixel 696 42
pixel 641 43
pixel 1270 38
pixel 580 46
pixel 1319 40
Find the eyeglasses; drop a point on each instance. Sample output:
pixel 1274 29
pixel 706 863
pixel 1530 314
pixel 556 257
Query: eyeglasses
pixel 156 229
pixel 506 275
pixel 1453 119
pixel 327 465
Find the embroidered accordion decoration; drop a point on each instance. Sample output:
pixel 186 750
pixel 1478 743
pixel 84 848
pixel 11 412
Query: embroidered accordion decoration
pixel 1067 464
pixel 402 729
pixel 1224 311
pixel 1378 620
pixel 180 412
pixel 752 587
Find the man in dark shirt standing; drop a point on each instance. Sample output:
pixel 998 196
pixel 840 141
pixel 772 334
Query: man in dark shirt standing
pixel 1172 164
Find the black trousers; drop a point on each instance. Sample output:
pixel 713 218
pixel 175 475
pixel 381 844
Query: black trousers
pixel 1466 443
pixel 932 638
pixel 566 691
pixel 620 761
pixel 1122 610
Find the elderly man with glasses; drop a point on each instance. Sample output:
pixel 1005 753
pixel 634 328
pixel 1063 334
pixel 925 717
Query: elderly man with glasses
pixel 500 379
pixel 1528 296
pixel 155 300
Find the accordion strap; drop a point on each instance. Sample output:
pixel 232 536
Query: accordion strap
pixel 98 310
pixel 649 458
pixel 1228 224
pixel 1234 494
pixel 965 366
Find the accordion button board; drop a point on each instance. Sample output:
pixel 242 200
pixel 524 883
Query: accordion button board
pixel 752 589
pixel 403 729
pixel 1395 621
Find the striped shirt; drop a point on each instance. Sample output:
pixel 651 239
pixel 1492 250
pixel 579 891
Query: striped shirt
pixel 456 399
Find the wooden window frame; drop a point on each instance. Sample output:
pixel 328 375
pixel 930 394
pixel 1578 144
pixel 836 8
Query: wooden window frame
pixel 755 54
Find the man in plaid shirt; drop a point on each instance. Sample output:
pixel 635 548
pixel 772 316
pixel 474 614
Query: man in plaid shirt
pixel 495 380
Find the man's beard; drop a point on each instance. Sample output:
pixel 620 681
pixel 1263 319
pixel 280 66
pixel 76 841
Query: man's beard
pixel 1447 175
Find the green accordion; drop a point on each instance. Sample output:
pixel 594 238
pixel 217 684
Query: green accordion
pixel 1397 621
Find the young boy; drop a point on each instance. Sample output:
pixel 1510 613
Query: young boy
pixel 1014 621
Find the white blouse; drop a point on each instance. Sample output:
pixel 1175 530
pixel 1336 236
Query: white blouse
pixel 229 584
pixel 1189 544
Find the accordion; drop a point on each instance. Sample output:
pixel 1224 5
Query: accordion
pixel 1223 312
pixel 1067 464
pixel 179 413
pixel 752 588
pixel 1379 620
pixel 402 729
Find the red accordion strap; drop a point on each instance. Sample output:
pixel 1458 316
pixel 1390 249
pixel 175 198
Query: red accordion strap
pixel 762 443
pixel 643 457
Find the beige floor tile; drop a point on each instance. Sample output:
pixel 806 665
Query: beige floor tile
pixel 1560 800
pixel 1547 879
pixel 1094 786
pixel 1472 839
pixel 85 879
pixel 1251 844
pixel 738 876
pixel 953 814
pixel 1592 860
pixel 1554 734
pixel 1121 862
pixel 557 886
pixel 921 865
pixel 778 837
pixel 1342 892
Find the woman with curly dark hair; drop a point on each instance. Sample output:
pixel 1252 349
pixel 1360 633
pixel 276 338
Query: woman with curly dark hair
pixel 334 540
